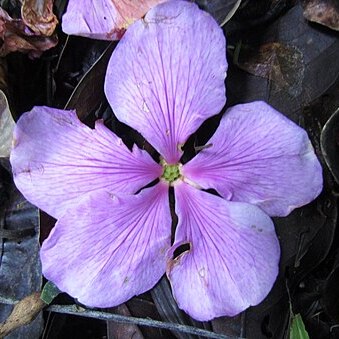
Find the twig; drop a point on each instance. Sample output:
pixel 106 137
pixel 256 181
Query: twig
pixel 76 310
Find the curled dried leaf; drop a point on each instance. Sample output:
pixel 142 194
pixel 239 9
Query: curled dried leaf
pixel 16 36
pixel 38 16
pixel 24 312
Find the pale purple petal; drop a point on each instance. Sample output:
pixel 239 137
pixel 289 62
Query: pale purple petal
pixel 56 159
pixel 162 80
pixel 103 19
pixel 108 249
pixel 259 156
pixel 233 258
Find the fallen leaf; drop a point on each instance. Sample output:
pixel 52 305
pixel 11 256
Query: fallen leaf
pixel 20 268
pixel 330 293
pixel 329 142
pixel 168 308
pixel 24 312
pixel 120 330
pixel 89 93
pixel 280 63
pixel 16 36
pixel 323 12
pixel 297 330
pixel 38 16
pixel 6 126
pixel 49 292
pixel 291 30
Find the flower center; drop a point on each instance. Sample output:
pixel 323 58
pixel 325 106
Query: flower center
pixel 171 172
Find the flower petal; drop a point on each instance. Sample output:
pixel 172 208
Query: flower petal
pixel 56 159
pixel 117 251
pixel 260 157
pixel 103 19
pixel 162 80
pixel 233 258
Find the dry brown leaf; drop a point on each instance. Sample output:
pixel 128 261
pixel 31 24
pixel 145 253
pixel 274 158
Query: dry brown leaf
pixel 24 312
pixel 38 16
pixel 16 36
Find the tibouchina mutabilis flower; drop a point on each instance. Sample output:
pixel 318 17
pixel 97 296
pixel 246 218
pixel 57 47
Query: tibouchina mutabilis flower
pixel 112 240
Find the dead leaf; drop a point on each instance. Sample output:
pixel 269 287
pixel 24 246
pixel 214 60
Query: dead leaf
pixel 16 36
pixel 3 75
pixel 317 48
pixel 329 141
pixel 123 331
pixel 280 63
pixel 89 93
pixel 38 16
pixel 323 12
pixel 23 313
pixel 6 126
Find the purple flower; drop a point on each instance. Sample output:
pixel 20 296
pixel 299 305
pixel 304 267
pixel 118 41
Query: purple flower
pixel 165 77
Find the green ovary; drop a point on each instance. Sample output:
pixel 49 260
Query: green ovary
pixel 171 172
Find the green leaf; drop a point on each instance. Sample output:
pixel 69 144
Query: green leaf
pixel 49 292
pixel 297 329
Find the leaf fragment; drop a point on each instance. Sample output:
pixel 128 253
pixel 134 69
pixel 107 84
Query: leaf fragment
pixel 16 36
pixel 24 312
pixel 297 329
pixel 6 126
pixel 38 16
pixel 329 142
pixel 323 12
pixel 221 10
pixel 278 62
pixel 49 292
